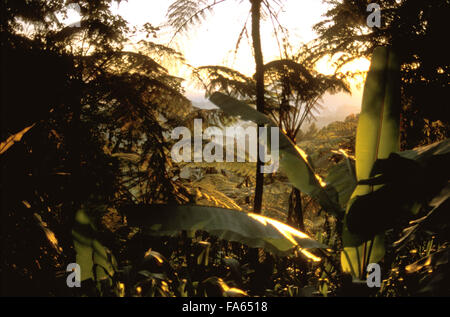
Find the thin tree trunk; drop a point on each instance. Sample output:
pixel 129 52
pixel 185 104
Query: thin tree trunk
pixel 76 144
pixel 295 211
pixel 256 38
pixel 295 214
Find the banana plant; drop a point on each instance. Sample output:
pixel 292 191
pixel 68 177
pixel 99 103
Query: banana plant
pixel 99 265
pixel 380 171
pixel 386 185
pixel 377 136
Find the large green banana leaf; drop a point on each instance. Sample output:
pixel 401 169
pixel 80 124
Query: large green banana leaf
pixel 376 138
pixel 251 229
pixel 292 159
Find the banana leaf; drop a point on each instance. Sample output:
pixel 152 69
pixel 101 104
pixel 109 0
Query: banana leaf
pixel 406 183
pixel 376 138
pixel 341 182
pixel 254 230
pixel 436 221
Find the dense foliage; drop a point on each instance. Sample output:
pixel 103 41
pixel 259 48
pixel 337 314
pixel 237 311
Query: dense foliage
pixel 415 29
pixel 87 176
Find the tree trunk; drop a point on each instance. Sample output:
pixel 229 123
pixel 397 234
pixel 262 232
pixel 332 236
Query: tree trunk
pixel 259 76
pixel 295 214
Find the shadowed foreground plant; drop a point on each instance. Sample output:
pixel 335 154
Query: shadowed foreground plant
pixel 256 231
pixel 377 136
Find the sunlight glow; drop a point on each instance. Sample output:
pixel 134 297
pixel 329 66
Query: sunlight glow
pixel 320 180
pixel 359 66
pixel 121 289
pixel 286 230
pixel 52 238
pixel 305 157
pixel 214 41
pixel 301 152
pixel 310 256
pixel 155 255
pixel 344 153
pixel 4 146
pixel 226 288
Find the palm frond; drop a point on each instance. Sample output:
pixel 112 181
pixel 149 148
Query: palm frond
pixel 185 13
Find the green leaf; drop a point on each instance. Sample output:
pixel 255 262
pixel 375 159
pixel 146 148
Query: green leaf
pixel 95 260
pixel 436 221
pixel 292 159
pixel 423 153
pixel 254 230
pixel 378 124
pixel 406 184
pixel 341 182
pixel 376 138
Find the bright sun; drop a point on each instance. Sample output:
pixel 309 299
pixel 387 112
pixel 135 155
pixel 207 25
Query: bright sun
pixel 213 42
pixel 327 66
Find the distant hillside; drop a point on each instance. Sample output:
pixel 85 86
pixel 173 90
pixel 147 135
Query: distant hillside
pixel 334 109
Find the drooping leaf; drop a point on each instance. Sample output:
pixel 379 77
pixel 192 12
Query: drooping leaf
pixel 406 183
pixel 436 221
pixel 251 229
pixel 423 153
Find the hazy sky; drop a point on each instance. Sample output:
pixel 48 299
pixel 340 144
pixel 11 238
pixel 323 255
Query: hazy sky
pixel 213 42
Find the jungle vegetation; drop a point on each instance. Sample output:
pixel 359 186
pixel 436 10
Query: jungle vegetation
pixel 87 176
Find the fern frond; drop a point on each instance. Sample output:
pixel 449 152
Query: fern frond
pixel 244 169
pixel 227 80
pixel 184 13
pixel 208 196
